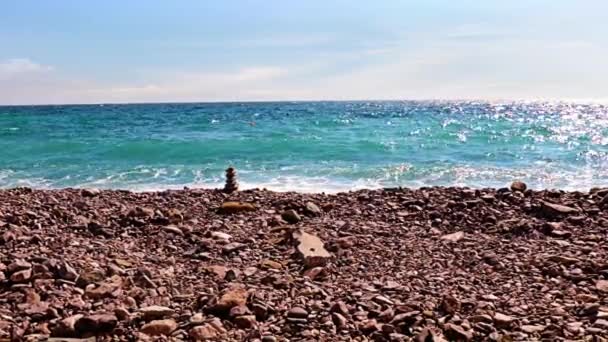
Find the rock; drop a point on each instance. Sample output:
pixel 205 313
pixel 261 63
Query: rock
pixel 159 327
pixel 66 327
pixel 312 209
pixel 67 272
pixel 270 264
pixel 457 333
pixel 173 229
pixel 310 248
pixel 297 312
pixel 233 247
pixel 454 237
pixel 21 276
pixel 203 333
pixel 155 312
pixel 553 210
pixel 291 216
pixel 502 320
pixel 601 323
pixel 245 322
pixel 602 286
pixel 450 305
pixel 518 186
pixel 96 324
pixel 314 273
pixel 18 265
pixel 339 320
pixel 218 270
pixel 90 192
pixel 235 208
pixel 221 236
pixel 105 289
pixel 122 314
pixel 234 297
pixel 531 329
pixel 239 311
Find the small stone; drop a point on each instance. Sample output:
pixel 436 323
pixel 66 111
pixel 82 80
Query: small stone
pixel 96 324
pixel 602 286
pixel 291 216
pixel 21 276
pixel 313 273
pixel 312 209
pixel 271 264
pixel 67 272
pixel 245 322
pixel 239 311
pixel 339 320
pixel 231 298
pixel 450 305
pixel 601 323
pixel 518 186
pixel 297 312
pixel 159 327
pixel 18 265
pixel 221 236
pixel 154 312
pixel 457 333
pixel 66 326
pixel 553 210
pixel 235 208
pixel 203 332
pixel 173 229
pixel 502 320
pixel 122 314
pixel 197 319
pixel 92 192
pixel 233 247
pixel 454 237
pixel 574 327
pixel 531 329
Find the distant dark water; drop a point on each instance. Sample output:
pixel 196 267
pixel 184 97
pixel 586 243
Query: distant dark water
pixel 305 146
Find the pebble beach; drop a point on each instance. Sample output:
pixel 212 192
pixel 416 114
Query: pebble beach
pixel 396 264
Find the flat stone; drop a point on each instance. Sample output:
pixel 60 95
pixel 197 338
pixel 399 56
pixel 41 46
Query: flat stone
pixel 155 312
pixel 555 210
pixel 235 208
pixel 311 249
pixel 454 237
pixel 502 320
pixel 531 329
pixel 18 265
pixel 21 276
pixel 271 264
pixel 159 327
pixel 297 312
pixel 221 236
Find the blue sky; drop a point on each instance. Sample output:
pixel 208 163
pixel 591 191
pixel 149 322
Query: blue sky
pixel 190 50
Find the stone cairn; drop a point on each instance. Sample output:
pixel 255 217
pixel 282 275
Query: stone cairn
pixel 231 183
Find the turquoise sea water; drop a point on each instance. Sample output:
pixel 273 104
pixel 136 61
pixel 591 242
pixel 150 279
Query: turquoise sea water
pixel 305 146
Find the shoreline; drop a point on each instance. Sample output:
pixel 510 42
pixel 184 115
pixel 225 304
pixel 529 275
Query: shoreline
pixel 392 264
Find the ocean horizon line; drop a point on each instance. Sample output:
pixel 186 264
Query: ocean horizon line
pixel 418 100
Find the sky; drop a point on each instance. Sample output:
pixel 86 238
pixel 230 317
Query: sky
pixel 72 51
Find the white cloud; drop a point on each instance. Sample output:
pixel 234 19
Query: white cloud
pixel 18 66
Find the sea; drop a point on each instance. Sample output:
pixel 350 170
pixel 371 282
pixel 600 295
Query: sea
pixel 305 146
